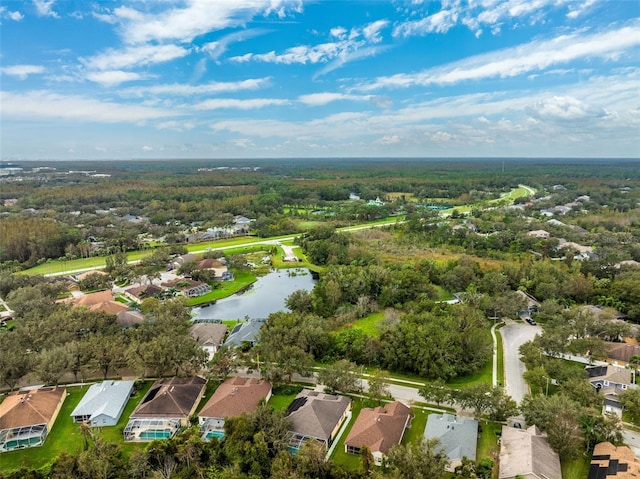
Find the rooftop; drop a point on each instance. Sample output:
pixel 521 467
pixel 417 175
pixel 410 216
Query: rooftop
pixel 174 397
pixel 27 408
pixel 235 397
pixel 379 428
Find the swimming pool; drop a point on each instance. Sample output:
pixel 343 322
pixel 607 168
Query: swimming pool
pixel 155 434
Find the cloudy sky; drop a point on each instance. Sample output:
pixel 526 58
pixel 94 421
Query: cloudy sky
pixel 325 78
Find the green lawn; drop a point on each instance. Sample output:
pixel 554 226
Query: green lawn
pixel 418 425
pixel 339 456
pixel 369 324
pixel 282 396
pixel 242 279
pixel 576 469
pixel 488 443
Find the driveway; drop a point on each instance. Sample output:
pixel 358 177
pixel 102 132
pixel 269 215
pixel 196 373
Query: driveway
pixel 632 439
pixel 513 336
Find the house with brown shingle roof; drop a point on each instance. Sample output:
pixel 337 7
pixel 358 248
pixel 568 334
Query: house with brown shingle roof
pixel 526 453
pixel 138 293
pixel 316 416
pixel 234 397
pixel 26 417
pixel 214 265
pixel 165 408
pixel 379 429
pixel 209 336
pixel 611 462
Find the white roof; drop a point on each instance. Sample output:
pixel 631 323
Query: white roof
pixel 106 398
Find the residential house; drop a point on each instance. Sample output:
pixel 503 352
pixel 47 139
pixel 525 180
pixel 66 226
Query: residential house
pixel 611 381
pixel 165 408
pixel 180 260
pixel 379 429
pixel 245 333
pixel 26 417
pixel 526 453
pixel 101 301
pixel 316 416
pixel 241 224
pixel 611 462
pixel 188 287
pixel 622 352
pixel 542 234
pixel 209 336
pixel 86 274
pixel 214 265
pixel 138 293
pixel 234 397
pixel 128 319
pixel 103 403
pixel 458 436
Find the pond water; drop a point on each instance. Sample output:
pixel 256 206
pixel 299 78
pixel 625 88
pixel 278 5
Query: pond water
pixel 266 296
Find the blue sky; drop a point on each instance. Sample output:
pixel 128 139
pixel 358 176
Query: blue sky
pixel 275 78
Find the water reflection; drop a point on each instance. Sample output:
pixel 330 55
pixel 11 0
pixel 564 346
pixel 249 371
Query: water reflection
pixel 265 297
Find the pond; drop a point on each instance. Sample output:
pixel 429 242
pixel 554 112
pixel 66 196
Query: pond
pixel 266 296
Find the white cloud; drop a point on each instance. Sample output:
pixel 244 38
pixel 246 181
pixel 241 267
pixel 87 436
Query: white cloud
pixel 41 104
pixel 338 32
pixel 104 17
pixel 218 48
pixel 176 125
pixel 565 108
pixel 252 104
pixel 356 45
pixel 577 9
pixel 134 56
pixel 490 13
pixel 23 71
pixel 112 78
pixel 319 99
pixel 197 17
pixel 521 60
pixel 439 22
pixel 15 15
pixel 390 139
pixel 44 8
pixel 101 149
pixel 203 89
pixel 147 148
pixel 372 31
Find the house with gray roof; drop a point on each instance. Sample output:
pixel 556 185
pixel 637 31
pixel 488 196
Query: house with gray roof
pixel 246 332
pixel 209 336
pixel 316 416
pixel 526 453
pixel 611 381
pixel 458 436
pixel 103 403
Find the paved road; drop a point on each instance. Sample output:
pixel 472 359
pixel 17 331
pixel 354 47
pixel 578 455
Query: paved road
pixel 632 439
pixel 513 336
